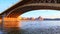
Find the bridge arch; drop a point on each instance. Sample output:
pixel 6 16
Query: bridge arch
pixel 22 9
pixel 28 5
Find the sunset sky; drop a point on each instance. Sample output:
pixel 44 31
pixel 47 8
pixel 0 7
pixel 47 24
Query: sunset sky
pixel 5 4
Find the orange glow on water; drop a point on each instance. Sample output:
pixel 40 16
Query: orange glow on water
pixel 11 22
pixel 11 19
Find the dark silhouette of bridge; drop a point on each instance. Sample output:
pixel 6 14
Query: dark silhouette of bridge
pixel 28 5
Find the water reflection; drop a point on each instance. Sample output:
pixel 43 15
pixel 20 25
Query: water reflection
pixel 31 27
pixel 10 27
pixel 40 27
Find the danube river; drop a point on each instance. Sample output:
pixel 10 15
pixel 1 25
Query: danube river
pixel 34 27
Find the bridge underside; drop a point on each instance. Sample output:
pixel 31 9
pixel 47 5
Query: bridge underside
pixel 28 5
pixel 20 11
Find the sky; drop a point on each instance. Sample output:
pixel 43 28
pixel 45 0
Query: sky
pixel 42 13
pixel 5 4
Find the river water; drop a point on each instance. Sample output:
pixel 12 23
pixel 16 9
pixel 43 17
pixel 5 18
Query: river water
pixel 36 27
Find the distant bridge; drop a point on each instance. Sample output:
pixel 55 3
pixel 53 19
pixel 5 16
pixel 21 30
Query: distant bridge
pixel 28 5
